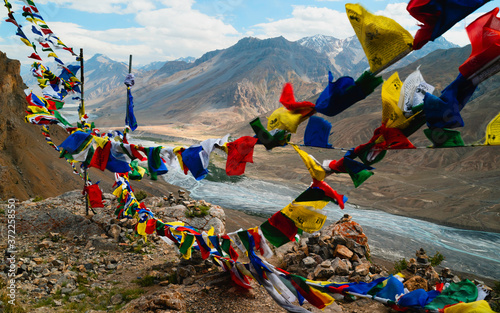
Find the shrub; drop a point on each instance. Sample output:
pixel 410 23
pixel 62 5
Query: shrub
pixel 436 259
pixel 145 281
pixel 400 265
pixel 140 195
pixel 37 199
pixel 197 211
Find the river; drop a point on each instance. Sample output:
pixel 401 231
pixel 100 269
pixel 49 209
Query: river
pixel 390 236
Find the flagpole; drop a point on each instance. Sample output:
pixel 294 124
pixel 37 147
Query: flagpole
pixel 82 113
pixel 128 87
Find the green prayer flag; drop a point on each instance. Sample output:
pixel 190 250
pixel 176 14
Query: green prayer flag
pixel 464 291
pixel 187 244
pixel 444 138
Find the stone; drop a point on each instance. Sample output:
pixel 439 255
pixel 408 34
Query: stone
pixel 111 266
pixel 363 269
pixel 343 252
pixel 114 232
pixel 321 272
pixel 45 244
pixel 432 277
pixel 309 262
pixel 116 299
pixel 416 282
pixel 326 264
pixel 340 267
pixel 38 260
pixel 58 263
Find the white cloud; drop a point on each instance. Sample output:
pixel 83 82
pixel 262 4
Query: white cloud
pixel 100 6
pixel 163 34
pixel 307 21
pixel 397 12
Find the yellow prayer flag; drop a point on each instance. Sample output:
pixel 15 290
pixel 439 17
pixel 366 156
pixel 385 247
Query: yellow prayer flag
pixel 315 169
pixel 284 119
pixel 177 152
pixel 473 307
pixel 26 41
pixel 392 115
pixel 36 109
pixel 493 131
pixel 383 39
pixel 309 220
pixel 318 205
pixel 101 142
pixel 52 54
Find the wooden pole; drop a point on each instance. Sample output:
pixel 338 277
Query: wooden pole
pixel 82 113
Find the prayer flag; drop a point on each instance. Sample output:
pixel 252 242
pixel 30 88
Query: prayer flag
pixel 437 16
pixel 484 35
pixel 444 112
pixel 493 131
pixel 344 92
pixel 383 39
pixel 288 100
pixel 442 137
pixel 317 132
pixel 278 138
pixel 130 117
pixel 315 169
pixel 239 152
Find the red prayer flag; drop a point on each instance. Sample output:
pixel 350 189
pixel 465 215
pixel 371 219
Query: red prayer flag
pixel 484 35
pixel 239 152
pixel 35 56
pixel 288 100
pixel 101 156
pixel 150 226
pixel 95 196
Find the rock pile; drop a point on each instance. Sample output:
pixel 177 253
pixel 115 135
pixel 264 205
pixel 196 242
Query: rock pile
pixel 339 253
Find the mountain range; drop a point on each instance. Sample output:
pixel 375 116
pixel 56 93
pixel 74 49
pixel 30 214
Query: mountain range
pixel 244 80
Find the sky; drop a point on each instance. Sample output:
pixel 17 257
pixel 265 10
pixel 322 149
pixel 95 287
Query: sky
pixel 165 30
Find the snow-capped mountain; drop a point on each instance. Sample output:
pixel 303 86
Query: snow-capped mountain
pixel 348 58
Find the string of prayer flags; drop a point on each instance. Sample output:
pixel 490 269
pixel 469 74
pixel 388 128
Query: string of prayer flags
pixel 374 33
pixel 493 131
pixel 317 132
pixel 270 140
pixel 344 92
pixel 444 111
pixel 239 152
pixel 438 16
pixel 484 60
